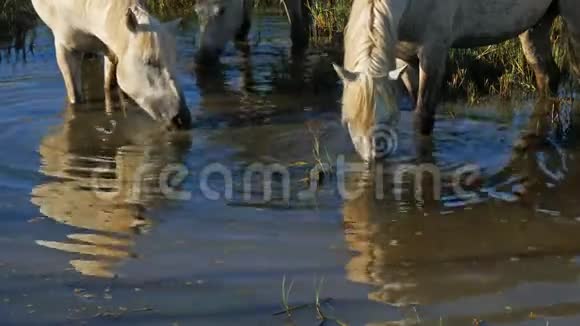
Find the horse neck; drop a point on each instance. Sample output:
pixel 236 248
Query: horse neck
pixel 371 36
pixel 114 32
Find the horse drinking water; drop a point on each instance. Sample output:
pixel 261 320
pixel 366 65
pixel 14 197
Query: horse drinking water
pixel 423 31
pixel 222 21
pixel 139 52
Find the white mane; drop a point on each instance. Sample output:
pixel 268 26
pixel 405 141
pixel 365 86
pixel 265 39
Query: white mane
pixel 370 41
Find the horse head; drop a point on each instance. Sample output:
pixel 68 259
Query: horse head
pixel 369 107
pixel 146 69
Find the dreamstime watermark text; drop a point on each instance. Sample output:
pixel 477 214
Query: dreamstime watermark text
pixel 263 183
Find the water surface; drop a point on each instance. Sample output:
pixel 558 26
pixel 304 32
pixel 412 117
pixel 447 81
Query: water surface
pixel 88 234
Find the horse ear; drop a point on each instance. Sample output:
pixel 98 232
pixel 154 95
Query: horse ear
pixel 345 75
pixel 396 74
pixel 131 20
pixel 173 26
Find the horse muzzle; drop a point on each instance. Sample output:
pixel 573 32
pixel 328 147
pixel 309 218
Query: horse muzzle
pixel 182 121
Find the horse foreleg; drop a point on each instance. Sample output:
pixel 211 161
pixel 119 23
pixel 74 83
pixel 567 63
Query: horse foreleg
pixel 537 48
pixel 431 74
pixel 299 16
pixel 110 67
pixel 70 65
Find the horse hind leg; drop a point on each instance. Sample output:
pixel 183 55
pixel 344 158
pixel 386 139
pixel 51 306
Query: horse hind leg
pixel 299 16
pixel 537 48
pixel 244 30
pixel 241 37
pixel 570 12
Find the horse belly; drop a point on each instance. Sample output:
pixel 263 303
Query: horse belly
pixel 83 42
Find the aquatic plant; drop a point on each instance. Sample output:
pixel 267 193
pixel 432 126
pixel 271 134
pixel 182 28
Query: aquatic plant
pixel 317 305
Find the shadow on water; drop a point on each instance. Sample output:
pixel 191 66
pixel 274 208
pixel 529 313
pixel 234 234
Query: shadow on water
pixel 495 257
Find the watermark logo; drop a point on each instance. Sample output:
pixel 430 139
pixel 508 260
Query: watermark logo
pixel 385 140
pixel 261 183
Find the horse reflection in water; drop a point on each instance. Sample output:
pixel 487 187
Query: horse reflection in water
pixel 476 261
pixel 102 181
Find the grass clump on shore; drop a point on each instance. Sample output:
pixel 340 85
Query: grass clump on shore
pixel 17 17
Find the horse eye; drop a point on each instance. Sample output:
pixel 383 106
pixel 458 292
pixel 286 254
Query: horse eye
pixel 221 11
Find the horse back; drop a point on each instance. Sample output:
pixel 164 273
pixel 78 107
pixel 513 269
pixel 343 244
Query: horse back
pixel 469 23
pixel 80 24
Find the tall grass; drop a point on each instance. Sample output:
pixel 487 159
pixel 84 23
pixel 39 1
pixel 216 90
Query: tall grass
pixel 329 17
pixel 171 8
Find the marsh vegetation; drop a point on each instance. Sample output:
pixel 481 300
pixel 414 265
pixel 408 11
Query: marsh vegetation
pixel 16 19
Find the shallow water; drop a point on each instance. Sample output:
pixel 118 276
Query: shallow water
pixel 88 235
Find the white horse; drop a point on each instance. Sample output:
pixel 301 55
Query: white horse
pixel 222 21
pixel 139 52
pixel 423 31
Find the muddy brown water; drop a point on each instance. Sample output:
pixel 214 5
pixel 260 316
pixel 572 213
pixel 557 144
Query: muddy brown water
pixel 90 235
